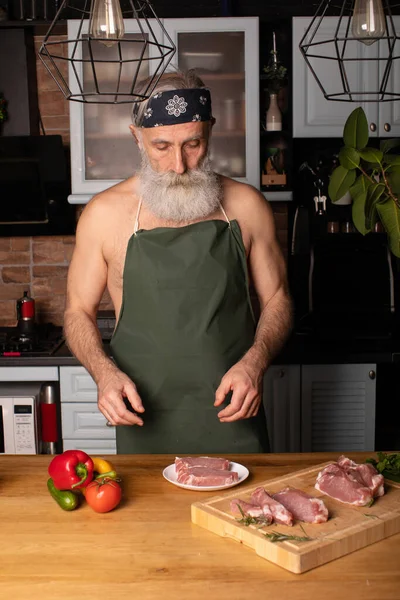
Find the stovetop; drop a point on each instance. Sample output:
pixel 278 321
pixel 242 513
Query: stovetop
pixel 44 340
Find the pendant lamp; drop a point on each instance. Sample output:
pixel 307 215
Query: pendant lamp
pixel 100 63
pixel 362 31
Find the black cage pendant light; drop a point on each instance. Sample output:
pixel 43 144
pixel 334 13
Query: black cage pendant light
pixel 363 30
pixel 100 63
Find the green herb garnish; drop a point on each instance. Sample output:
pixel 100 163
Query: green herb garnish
pixel 371 516
pixel 275 536
pixel 248 520
pixel 387 464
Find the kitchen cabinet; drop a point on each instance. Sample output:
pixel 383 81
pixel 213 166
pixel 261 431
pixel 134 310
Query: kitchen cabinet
pixel 338 407
pixel 282 402
pixel 225 53
pixel 313 115
pixel 313 408
pixel 83 425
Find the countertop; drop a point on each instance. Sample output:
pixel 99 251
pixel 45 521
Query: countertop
pixel 298 350
pixel 148 548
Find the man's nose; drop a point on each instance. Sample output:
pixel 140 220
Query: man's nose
pixel 179 162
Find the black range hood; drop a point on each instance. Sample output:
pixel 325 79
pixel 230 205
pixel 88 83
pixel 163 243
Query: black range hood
pixel 34 187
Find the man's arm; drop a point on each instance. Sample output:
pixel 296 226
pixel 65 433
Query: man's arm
pixel 268 272
pixel 87 279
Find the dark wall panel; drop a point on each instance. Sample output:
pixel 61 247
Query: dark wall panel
pixel 18 81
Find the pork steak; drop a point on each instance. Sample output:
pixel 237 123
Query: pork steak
pixel 302 506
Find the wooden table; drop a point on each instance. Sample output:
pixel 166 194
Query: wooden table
pixel 149 549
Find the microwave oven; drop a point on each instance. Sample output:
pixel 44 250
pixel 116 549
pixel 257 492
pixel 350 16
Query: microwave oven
pixel 19 418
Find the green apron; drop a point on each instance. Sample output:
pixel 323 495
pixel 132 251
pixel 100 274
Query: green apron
pixel 185 319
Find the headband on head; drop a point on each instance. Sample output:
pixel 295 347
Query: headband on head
pixel 177 106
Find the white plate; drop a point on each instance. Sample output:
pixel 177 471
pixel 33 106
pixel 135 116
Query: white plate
pixel 170 475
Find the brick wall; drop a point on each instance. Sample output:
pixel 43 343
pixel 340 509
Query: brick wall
pixel 39 265
pixel 54 109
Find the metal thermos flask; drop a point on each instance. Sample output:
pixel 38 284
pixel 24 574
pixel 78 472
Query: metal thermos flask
pixel 49 418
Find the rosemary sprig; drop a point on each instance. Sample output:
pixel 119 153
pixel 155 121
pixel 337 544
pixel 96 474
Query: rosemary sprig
pixel 371 516
pixel 248 520
pixel 275 536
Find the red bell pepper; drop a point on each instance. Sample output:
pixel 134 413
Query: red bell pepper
pixel 71 469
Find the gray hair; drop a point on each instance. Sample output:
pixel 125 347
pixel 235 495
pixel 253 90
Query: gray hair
pixel 177 80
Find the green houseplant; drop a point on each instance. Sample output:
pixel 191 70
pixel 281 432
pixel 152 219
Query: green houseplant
pixel 275 74
pixel 372 176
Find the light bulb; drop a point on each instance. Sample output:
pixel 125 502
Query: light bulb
pixel 368 21
pixel 106 21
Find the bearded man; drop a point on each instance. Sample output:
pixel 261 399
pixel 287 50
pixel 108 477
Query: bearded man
pixel 177 245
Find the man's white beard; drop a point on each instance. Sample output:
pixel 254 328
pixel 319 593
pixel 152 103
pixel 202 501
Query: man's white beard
pixel 180 198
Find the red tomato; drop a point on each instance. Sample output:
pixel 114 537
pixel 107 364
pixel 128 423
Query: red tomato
pixel 103 495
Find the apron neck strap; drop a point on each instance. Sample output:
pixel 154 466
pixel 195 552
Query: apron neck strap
pixel 224 213
pixel 136 227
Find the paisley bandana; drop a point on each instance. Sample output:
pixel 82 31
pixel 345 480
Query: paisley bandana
pixel 178 106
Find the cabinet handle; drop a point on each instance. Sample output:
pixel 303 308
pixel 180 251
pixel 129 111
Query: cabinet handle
pixel 387 127
pixel 372 374
pixel 281 373
pixel 372 126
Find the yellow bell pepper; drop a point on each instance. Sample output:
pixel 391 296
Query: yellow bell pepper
pixel 100 465
pixel 102 468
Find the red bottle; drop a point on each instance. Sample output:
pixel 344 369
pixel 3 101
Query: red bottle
pixel 26 314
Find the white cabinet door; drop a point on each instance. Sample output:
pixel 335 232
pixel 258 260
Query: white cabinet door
pixel 92 447
pixel 103 151
pixel 281 399
pixel 225 53
pixel 338 407
pixel 85 421
pixel 313 115
pixel 83 425
pixel 76 385
pixel 389 112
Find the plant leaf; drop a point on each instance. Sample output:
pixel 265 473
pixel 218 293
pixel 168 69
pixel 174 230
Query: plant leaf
pixel 392 159
pixel 373 195
pixel 349 158
pixel 341 181
pixel 358 213
pixel 360 186
pixel 390 217
pixel 372 155
pixel 355 133
pixel 394 181
pixel 393 169
pixel 387 145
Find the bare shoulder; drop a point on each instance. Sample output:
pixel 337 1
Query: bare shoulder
pixel 249 207
pixel 106 210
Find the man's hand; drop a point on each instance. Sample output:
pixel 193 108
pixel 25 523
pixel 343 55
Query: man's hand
pixel 245 381
pixel 112 388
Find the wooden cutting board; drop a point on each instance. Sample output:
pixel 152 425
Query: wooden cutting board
pixel 348 528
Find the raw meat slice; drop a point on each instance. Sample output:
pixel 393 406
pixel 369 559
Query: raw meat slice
pixel 302 506
pixel 365 473
pixel 270 506
pixel 201 461
pixel 248 508
pixel 336 483
pixel 202 476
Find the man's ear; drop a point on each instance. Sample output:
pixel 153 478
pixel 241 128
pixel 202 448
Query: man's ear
pixel 135 134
